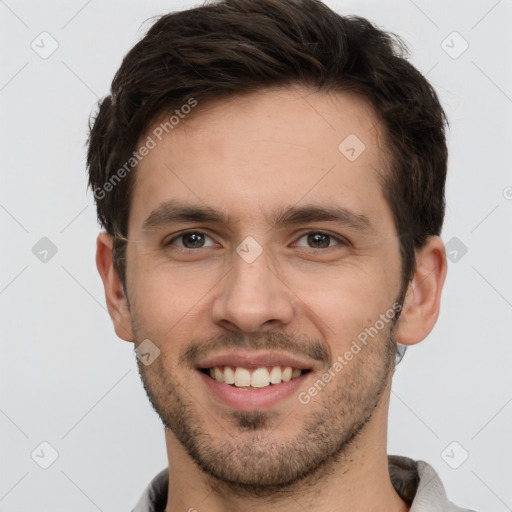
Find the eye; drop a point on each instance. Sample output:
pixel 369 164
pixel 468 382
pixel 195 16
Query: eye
pixel 320 240
pixel 190 240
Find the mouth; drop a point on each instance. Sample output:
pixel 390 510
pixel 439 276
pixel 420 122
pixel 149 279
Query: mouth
pixel 253 378
pixel 249 389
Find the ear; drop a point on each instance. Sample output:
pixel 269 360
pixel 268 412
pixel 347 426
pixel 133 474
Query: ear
pixel 117 302
pixel 423 298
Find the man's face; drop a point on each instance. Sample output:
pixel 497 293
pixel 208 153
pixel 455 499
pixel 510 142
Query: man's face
pixel 265 278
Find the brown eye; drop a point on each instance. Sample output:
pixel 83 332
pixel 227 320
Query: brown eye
pixel 320 240
pixel 193 240
pixel 190 240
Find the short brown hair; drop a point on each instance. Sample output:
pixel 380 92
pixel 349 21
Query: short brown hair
pixel 231 47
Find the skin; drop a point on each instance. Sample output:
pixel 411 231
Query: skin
pixel 248 157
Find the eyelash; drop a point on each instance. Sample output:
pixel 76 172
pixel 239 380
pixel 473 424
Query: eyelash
pixel 341 241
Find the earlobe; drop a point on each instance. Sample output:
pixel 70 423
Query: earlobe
pixel 117 303
pixel 422 301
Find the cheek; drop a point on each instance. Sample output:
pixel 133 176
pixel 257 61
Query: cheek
pixel 161 302
pixel 169 302
pixel 345 300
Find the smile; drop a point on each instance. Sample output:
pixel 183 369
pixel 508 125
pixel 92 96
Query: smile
pixel 261 377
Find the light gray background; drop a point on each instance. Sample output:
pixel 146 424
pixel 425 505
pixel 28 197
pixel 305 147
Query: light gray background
pixel 66 379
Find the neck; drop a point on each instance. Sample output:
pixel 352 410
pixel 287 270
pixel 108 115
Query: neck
pixel 356 481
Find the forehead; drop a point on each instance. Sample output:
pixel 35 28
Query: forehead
pixel 259 152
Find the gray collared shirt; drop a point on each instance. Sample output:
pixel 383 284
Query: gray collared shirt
pixel 416 482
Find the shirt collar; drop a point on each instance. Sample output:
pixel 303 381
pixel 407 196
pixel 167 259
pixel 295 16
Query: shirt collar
pixel 416 482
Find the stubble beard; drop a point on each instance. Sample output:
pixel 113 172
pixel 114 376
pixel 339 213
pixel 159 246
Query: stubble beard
pixel 245 455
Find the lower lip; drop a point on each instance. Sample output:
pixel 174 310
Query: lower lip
pixel 256 398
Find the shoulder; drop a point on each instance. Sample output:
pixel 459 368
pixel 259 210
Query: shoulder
pixel 419 485
pixel 154 497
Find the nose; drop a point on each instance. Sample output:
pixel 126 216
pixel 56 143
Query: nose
pixel 252 296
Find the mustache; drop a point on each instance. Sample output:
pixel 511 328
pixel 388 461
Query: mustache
pixel 272 340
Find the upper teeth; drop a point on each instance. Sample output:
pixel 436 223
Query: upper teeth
pixel 258 378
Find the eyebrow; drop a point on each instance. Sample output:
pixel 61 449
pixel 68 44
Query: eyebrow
pixel 171 212
pixel 312 213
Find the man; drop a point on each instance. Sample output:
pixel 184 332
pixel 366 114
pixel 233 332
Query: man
pixel 270 176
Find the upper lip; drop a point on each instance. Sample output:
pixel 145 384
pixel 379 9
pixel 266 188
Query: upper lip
pixel 254 360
